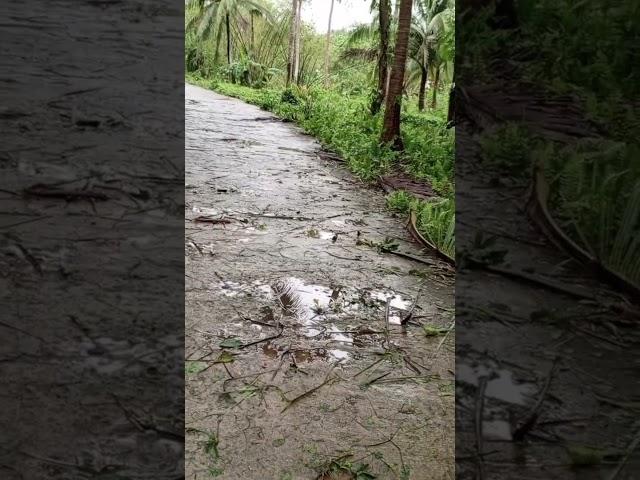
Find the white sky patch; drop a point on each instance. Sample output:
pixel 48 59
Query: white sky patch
pixel 346 13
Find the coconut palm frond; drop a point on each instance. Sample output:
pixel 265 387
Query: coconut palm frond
pixel 367 54
pixel 361 33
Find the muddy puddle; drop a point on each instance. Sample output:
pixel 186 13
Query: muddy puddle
pixel 501 383
pixel 343 315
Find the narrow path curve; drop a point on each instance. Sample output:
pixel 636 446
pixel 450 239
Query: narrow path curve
pixel 293 252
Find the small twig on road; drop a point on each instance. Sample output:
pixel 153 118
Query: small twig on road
pixel 327 380
pixel 282 357
pixel 408 377
pixel 254 374
pixel 414 258
pixel 533 279
pixel 384 441
pixel 266 339
pixel 353 259
pixel 45 191
pixel 532 417
pixel 367 368
pixel 374 380
pixel 214 221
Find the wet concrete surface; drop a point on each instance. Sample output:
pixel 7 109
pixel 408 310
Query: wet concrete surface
pixel 296 355
pixel 542 376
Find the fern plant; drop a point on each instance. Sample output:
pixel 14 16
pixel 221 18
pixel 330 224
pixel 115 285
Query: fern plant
pixel 595 194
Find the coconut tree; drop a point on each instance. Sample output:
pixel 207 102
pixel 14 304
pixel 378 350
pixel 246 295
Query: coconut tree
pixel 427 34
pixel 443 54
pixel 393 104
pixel 213 18
pixel 384 22
pixel 293 61
pixel 327 46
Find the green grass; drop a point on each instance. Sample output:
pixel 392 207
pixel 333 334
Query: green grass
pixel 508 148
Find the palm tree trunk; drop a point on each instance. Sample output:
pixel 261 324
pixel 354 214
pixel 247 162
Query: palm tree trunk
pixel 227 24
pixel 451 113
pixel 296 65
pixel 228 30
pixel 423 87
pixel 253 38
pixel 327 47
pixel 292 42
pixel 436 80
pixel 383 55
pixel 391 123
pixel 386 84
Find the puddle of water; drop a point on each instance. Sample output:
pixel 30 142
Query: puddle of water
pixel 206 211
pixel 339 336
pixel 302 300
pixel 398 305
pixel 500 385
pixel 307 302
pixel 321 310
pixel 396 300
pixel 339 355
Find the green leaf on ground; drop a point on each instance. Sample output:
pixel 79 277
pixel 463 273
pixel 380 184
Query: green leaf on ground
pixel 225 357
pixel 231 343
pixel 192 367
pixel 433 331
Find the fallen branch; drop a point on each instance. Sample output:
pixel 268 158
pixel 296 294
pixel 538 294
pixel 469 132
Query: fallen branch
pixel 538 210
pixel 532 417
pixel 412 257
pixel 415 233
pixel 533 279
pixel 45 191
pixel 214 221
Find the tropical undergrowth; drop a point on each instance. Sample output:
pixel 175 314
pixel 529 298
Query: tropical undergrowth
pixel 594 189
pixel 580 51
pixel 435 219
pixel 595 196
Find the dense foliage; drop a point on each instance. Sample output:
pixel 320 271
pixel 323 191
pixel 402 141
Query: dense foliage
pixel 584 54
